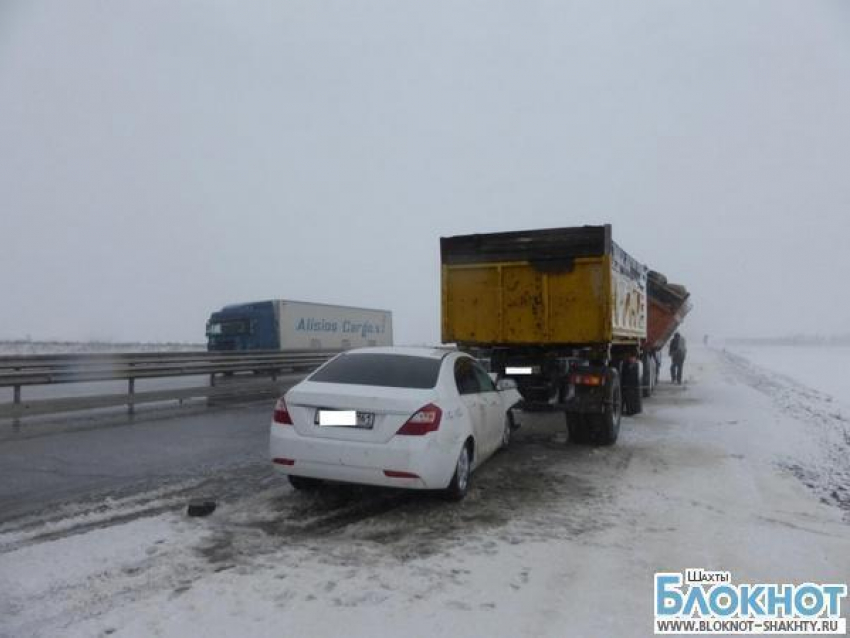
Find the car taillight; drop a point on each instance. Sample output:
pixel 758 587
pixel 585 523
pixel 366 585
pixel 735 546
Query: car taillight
pixel 425 420
pixel 281 413
pixel 400 474
pixel 587 378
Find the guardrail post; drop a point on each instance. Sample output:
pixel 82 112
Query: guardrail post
pixel 212 379
pixel 16 399
pixel 131 395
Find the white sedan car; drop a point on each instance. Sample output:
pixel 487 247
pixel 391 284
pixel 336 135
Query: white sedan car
pixel 419 418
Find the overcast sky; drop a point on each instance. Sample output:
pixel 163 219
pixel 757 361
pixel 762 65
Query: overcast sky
pixel 160 159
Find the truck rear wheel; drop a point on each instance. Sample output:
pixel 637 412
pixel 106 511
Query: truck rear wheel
pixel 632 391
pixel 606 426
pixel 581 429
pixel 647 379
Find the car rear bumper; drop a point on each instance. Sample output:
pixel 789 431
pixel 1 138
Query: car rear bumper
pixel 430 458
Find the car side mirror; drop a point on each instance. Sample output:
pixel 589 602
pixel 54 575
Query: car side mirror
pixel 506 384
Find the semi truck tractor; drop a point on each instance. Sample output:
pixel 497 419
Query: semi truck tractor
pixel 667 307
pixel 561 311
pixel 283 324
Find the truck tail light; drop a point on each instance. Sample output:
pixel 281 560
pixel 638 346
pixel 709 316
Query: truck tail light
pixel 281 413
pixel 426 419
pixel 587 378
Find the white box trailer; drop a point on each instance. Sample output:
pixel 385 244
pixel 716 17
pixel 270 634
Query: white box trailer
pixel 283 324
pixel 314 326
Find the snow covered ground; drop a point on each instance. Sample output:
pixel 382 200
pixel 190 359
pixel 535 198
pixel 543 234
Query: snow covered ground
pixel 821 368
pixel 740 470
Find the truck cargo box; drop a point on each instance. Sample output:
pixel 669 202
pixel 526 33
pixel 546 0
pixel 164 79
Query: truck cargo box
pixel 560 286
pixel 668 305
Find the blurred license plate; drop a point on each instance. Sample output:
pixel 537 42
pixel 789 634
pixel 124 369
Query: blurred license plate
pixel 345 418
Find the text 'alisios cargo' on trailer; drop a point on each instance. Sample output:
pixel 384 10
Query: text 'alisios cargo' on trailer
pixel 282 324
pixel 564 312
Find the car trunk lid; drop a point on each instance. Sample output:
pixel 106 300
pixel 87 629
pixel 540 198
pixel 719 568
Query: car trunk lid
pixel 391 407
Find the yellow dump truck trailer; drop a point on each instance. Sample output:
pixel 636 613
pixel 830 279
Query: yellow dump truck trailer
pixel 561 311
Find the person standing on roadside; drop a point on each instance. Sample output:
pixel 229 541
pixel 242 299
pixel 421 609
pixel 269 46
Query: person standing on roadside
pixel 678 350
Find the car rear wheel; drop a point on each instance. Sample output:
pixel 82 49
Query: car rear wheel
pixel 303 483
pixel 463 473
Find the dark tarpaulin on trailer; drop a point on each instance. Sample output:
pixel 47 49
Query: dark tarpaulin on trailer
pixel 657 287
pixel 552 244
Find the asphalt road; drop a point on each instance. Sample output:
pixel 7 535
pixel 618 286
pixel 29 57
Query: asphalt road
pixel 46 464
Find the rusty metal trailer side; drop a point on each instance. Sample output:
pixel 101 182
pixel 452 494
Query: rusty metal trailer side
pixel 668 306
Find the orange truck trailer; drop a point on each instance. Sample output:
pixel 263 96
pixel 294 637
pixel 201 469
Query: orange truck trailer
pixel 667 306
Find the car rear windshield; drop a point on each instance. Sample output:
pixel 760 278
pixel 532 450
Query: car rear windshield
pixel 387 370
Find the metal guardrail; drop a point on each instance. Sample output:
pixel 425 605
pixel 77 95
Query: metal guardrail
pixel 40 370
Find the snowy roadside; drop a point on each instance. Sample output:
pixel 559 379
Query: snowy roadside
pixel 27 347
pixel 554 539
pixel 820 368
pixel 823 464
